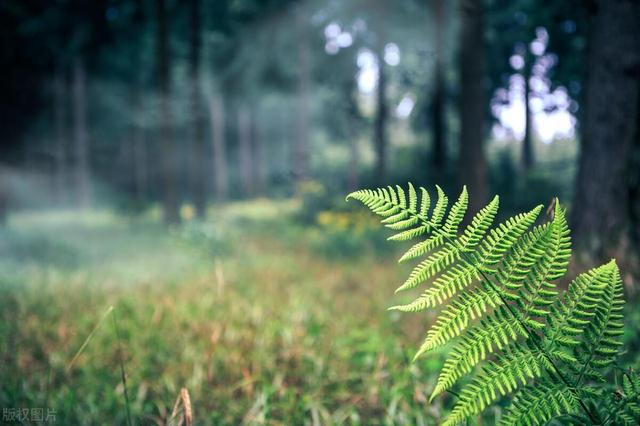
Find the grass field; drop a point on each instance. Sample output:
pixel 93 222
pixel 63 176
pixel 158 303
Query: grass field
pixel 262 320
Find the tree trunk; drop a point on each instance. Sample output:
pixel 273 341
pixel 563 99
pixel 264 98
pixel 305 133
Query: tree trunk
pixel 244 139
pixel 139 172
pixel 634 183
pixel 602 204
pixel 380 124
pixel 199 168
pixel 438 97
pixel 472 162
pixel 527 142
pixel 168 152
pixel 80 136
pixel 59 97
pixel 218 142
pixel 259 155
pixel 301 152
pixel 4 195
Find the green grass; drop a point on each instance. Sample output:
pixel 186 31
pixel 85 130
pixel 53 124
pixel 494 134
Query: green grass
pixel 248 311
pixel 263 319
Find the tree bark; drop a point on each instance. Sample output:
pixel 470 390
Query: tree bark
pixel 80 136
pixel 527 141
pixel 602 205
pixel 199 167
pixel 438 97
pixel 260 165
pixel 301 152
pixel 4 196
pixel 472 162
pixel 169 161
pixel 380 124
pixel 139 168
pixel 60 136
pixel 246 155
pixel 218 142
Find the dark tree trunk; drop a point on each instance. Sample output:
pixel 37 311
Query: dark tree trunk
pixel 301 152
pixel 219 148
pixel 4 196
pixel 527 142
pixel 246 155
pixel 439 92
pixel 80 135
pixel 634 182
pixel 259 155
pixel 60 152
pixel 139 171
pixel 199 160
pixel 380 124
pixel 472 164
pixel 169 161
pixel 602 197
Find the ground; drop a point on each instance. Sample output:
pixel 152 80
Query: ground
pixel 261 319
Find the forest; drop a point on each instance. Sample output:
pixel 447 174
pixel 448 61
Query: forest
pixel 176 248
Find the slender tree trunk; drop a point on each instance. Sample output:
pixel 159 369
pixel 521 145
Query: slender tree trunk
pixel 138 124
pixel 472 163
pixel 259 155
pixel 80 135
pixel 138 146
pixel 218 142
pixel 380 124
pixel 4 196
pixel 602 204
pixel 301 152
pixel 244 139
pixel 527 142
pixel 438 97
pixel 61 132
pixel 199 168
pixel 169 159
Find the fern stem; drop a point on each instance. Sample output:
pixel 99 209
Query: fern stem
pixel 531 335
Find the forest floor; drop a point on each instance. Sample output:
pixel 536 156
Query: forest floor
pixel 261 319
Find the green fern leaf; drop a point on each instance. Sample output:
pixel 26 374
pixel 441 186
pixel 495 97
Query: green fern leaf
pixel 501 307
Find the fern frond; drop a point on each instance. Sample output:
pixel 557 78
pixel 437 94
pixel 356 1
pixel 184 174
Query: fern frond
pixel 538 403
pixel 600 344
pixel 456 317
pixel 500 304
pixel 514 367
pixel 490 335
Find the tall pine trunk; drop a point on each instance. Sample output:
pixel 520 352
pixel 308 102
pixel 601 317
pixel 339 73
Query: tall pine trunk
pixel 472 162
pixel 602 206
pixel 380 123
pixel 301 151
pixel 439 156
pixel 80 135
pixel 168 152
pixel 139 167
pixel 219 146
pixel 199 167
pixel 527 142
pixel 60 152
pixel 261 168
pixel 246 155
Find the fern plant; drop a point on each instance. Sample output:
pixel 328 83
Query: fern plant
pixel 513 334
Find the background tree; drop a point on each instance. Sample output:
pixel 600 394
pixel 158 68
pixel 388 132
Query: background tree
pixel 602 203
pixel 472 161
